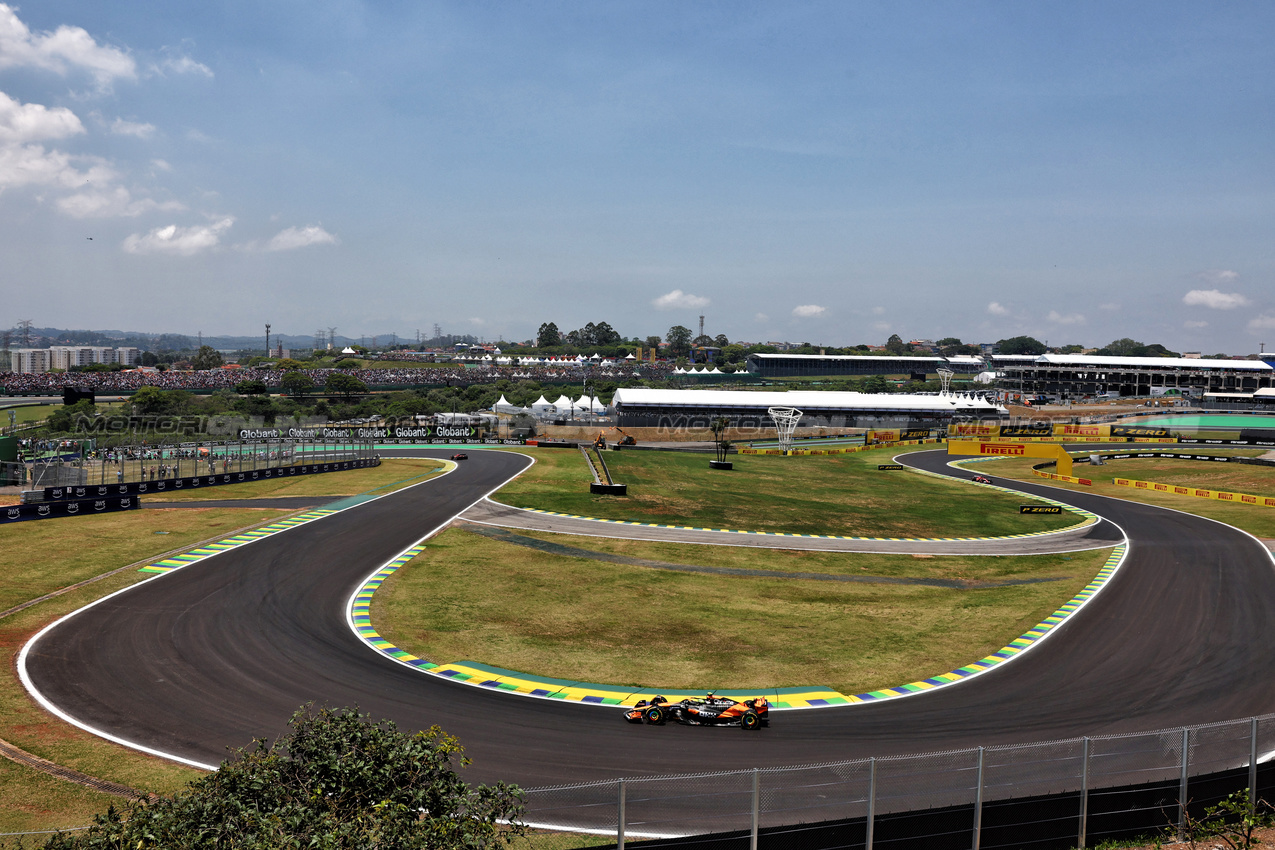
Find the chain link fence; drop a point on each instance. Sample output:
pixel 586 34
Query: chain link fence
pixel 1059 794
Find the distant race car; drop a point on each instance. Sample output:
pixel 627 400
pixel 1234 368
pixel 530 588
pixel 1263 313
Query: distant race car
pixel 460 456
pixel 710 710
pixel 982 479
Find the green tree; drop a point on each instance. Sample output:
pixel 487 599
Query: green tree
pixel 652 342
pixel 346 386
pixel 548 336
pixel 287 364
pixel 296 383
pixel 679 340
pixel 152 401
pixel 895 345
pixel 252 387
pixel 336 780
pixel 1021 345
pixel 206 358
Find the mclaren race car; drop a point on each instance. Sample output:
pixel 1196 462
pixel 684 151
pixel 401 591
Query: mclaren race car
pixel 710 710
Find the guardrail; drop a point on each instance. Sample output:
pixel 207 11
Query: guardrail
pixel 1056 794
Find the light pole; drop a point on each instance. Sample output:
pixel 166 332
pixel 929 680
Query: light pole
pixel 267 340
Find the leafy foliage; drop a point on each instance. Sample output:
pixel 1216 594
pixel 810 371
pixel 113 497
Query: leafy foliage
pixel 548 336
pixel 1021 345
pixel 679 340
pixel 337 780
pixel 206 358
pixel 344 385
pixel 1233 821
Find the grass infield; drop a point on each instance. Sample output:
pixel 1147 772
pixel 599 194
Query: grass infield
pixel 588 620
pixel 821 494
pixel 1212 475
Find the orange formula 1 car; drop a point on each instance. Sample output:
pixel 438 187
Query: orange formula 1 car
pixel 710 710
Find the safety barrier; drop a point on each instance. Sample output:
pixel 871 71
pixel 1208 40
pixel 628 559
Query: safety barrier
pixel 840 451
pixel 1067 478
pixel 1051 796
pixel 1219 495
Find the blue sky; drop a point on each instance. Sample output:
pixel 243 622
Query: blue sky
pixel 831 172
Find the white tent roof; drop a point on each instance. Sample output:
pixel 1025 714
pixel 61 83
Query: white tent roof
pixel 809 401
pixel 562 403
pixel 540 405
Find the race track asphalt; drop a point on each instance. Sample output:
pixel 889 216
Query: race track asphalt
pixel 209 656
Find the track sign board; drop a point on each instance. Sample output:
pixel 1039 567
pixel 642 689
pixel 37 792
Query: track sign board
pixel 1040 509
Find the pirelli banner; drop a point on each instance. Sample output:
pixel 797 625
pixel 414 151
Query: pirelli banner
pixel 1144 433
pixel 70 507
pixel 1090 431
pixel 1011 432
pixel 896 435
pixel 1219 495
pixel 973 429
pixel 971 447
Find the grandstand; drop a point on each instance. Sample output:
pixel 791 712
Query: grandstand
pixel 651 408
pixel 1076 375
pixel 826 365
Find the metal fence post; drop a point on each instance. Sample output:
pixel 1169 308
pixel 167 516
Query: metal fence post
pixel 756 805
pixel 1252 767
pixel 978 804
pixel 1084 794
pixel 1182 787
pixel 619 830
pixel 872 802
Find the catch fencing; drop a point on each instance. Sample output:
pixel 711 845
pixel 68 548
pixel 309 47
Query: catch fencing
pixel 1059 794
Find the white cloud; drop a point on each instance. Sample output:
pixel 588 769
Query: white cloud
pixel 808 311
pixel 181 64
pixel 1195 323
pixel 120 127
pixel 161 165
pixel 181 241
pixel 882 326
pixel 300 237
pixel 677 299
pixel 61 51
pixel 1110 307
pixel 997 310
pixel 32 165
pixel 1217 277
pixel 1262 323
pixel 21 123
pixel 878 311
pixel 113 203
pixel 1214 299
pixel 1069 319
pixel 761 317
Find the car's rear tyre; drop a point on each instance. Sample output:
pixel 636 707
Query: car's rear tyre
pixel 655 715
pixel 749 720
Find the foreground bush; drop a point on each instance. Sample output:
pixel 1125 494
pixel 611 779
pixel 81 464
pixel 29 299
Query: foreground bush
pixel 336 780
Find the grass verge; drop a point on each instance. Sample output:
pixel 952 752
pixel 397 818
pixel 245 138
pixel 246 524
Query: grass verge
pixel 822 494
pixel 1212 475
pixel 589 620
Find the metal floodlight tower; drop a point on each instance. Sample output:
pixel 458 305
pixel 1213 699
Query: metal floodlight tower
pixel 785 419
pixel 945 375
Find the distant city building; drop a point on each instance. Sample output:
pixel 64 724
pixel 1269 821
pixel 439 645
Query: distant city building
pixel 31 361
pixel 34 361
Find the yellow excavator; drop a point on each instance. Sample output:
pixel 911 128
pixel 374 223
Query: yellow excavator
pixel 626 439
